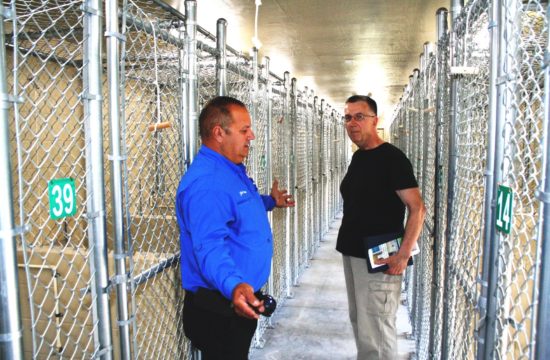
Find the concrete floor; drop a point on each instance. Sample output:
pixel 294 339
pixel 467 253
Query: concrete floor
pixel 314 323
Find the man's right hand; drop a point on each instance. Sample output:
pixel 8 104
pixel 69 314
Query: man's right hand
pixel 244 301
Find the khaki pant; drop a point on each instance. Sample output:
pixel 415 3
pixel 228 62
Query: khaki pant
pixel 373 301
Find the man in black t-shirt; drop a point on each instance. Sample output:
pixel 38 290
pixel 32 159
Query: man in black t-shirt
pixel 378 186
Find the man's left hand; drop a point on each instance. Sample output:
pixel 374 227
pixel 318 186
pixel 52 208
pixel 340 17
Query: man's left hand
pixel 397 264
pixel 244 301
pixel 282 199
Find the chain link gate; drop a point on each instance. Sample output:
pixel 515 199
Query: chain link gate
pixel 55 132
pixel 518 253
pixel 153 143
pixel 487 138
pixel 104 280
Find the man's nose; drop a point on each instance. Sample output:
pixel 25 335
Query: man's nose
pixel 252 136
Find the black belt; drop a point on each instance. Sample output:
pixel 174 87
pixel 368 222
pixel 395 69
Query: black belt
pixel 213 301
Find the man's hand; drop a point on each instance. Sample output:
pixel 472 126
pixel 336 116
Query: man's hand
pixel 282 200
pixel 244 301
pixel 397 263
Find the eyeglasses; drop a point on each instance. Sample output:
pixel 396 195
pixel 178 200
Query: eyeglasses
pixel 358 117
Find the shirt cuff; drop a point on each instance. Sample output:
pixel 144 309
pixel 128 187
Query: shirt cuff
pixel 269 202
pixel 229 285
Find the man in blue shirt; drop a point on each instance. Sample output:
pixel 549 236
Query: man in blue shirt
pixel 225 237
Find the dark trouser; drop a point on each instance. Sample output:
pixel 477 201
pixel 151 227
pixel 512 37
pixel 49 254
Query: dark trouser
pixel 218 335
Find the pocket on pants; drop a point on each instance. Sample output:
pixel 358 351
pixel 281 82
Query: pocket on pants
pixel 383 297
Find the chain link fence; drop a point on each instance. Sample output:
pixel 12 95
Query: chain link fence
pixel 472 122
pixel 100 103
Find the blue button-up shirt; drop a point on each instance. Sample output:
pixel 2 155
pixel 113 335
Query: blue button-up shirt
pixel 225 237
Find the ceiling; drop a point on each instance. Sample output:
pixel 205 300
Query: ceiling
pixel 336 47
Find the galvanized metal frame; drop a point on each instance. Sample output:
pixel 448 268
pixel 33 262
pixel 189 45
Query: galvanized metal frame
pixel 11 331
pixel 542 350
pixel 111 213
pixel 496 117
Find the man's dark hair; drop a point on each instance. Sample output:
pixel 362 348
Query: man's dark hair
pixel 364 98
pixel 217 112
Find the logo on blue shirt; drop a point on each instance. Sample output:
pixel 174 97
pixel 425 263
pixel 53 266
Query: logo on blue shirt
pixel 243 192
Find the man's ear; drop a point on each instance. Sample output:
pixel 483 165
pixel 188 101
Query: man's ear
pixel 218 133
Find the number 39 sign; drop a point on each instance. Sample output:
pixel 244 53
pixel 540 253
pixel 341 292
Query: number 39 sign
pixel 62 198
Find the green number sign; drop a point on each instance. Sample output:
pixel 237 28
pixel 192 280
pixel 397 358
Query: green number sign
pixel 62 197
pixel 504 209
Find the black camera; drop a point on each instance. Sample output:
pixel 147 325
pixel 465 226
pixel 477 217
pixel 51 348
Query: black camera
pixel 269 303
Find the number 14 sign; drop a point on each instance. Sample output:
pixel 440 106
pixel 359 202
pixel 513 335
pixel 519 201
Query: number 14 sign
pixel 504 209
pixel 62 198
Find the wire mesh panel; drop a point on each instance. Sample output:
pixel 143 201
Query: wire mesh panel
pixel 301 183
pixel 240 78
pixel 424 267
pixel 325 184
pixel 465 242
pixel 260 143
pixel 343 144
pixel 518 251
pixel 261 130
pixel 334 168
pixel 310 218
pixel 240 85
pixel 334 142
pixel 45 48
pixel 415 113
pixel 152 93
pixel 316 175
pixel 399 137
pixel 441 168
pixel 206 64
pixel 279 149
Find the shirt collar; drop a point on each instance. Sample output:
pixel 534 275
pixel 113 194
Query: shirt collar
pixel 205 150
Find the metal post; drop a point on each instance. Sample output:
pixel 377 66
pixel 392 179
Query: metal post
pixel 114 38
pixel 292 185
pixel 267 151
pixel 310 176
pixel 488 262
pixel 192 93
pixel 316 112
pixel 254 110
pixel 427 235
pixel 11 331
pixel 503 43
pixel 288 240
pixel 93 100
pixel 221 59
pixel 192 83
pixel 439 242
pixel 414 129
pixel 332 137
pixel 542 349
pixel 322 174
pixel 183 114
pixel 456 7
pixel 409 120
pixel 304 216
pixel 334 163
pixel 426 109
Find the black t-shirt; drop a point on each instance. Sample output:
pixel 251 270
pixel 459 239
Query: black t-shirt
pixel 371 204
